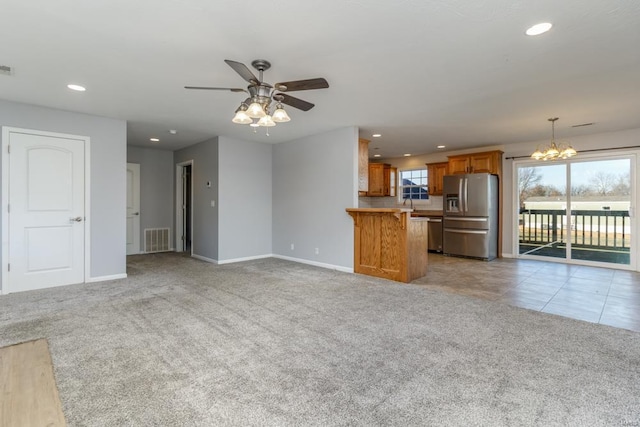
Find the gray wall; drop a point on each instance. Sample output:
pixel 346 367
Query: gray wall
pixel 156 189
pixel 205 217
pixel 108 175
pixel 245 197
pixel 314 181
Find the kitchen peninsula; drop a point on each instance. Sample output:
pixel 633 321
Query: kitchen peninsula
pixel 389 243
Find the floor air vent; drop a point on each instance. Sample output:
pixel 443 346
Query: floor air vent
pixel 156 240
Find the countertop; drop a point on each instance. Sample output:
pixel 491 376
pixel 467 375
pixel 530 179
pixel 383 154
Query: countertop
pixel 380 210
pixel 419 213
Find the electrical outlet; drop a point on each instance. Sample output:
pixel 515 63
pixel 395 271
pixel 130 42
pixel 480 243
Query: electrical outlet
pixel 317 251
pixel 292 247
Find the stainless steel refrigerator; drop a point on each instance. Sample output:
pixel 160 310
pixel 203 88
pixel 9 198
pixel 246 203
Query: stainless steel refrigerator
pixel 470 215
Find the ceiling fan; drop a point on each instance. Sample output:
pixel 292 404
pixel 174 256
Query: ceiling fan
pixel 255 110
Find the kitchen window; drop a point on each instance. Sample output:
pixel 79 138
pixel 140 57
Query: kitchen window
pixel 413 184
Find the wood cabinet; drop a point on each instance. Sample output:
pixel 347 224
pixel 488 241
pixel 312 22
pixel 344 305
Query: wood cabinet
pixel 363 166
pixel 382 180
pixel 435 176
pixel 486 162
pixel 389 243
pixel 376 179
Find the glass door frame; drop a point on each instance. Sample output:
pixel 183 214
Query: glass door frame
pixel 634 161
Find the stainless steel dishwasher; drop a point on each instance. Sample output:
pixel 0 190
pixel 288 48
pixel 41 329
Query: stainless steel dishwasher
pixel 435 233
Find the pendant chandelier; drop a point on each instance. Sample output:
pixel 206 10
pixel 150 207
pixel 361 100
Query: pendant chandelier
pixel 554 151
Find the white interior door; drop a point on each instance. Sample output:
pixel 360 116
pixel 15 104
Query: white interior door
pixel 46 210
pixel 133 208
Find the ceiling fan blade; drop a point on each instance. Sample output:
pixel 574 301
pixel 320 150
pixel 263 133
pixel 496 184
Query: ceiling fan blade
pixel 232 89
pixel 242 69
pixel 296 102
pixel 308 84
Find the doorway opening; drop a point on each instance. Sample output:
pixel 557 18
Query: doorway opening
pixel 184 207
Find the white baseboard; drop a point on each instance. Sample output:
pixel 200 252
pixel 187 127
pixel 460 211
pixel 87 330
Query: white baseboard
pixel 315 263
pixel 507 255
pixel 204 258
pixel 300 260
pixel 105 278
pixel 249 258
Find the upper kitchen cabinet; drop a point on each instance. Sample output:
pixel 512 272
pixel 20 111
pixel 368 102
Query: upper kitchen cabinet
pixel 487 162
pixel 382 180
pixel 376 179
pixel 363 166
pixel 435 176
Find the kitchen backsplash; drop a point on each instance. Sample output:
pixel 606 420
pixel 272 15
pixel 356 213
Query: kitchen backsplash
pixel 434 203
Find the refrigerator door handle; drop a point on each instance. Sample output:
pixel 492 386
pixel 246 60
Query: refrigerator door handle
pixel 459 231
pixel 461 207
pixel 469 219
pixel 466 195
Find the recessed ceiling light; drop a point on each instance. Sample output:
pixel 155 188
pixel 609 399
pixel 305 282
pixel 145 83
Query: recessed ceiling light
pixel 376 155
pixel 539 29
pixel 406 154
pixel 154 140
pixel 173 131
pixel 376 135
pixel 440 146
pixel 76 87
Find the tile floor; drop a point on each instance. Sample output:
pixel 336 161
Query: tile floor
pixel 599 295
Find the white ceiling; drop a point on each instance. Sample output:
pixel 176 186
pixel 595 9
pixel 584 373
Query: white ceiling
pixel 454 72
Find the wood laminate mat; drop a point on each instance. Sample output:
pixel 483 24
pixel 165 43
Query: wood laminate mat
pixel 29 396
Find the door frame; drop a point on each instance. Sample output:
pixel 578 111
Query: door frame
pixel 634 256
pixel 179 196
pixel 6 164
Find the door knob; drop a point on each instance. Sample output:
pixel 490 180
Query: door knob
pixel 136 213
pixel 76 219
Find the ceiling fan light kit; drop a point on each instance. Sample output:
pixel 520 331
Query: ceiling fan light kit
pixel 554 151
pixel 280 115
pixel 241 117
pixel 255 110
pixel 266 121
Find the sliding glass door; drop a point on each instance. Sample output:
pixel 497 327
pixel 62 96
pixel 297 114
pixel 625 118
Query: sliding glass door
pixel 576 210
pixel 601 198
pixel 542 191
